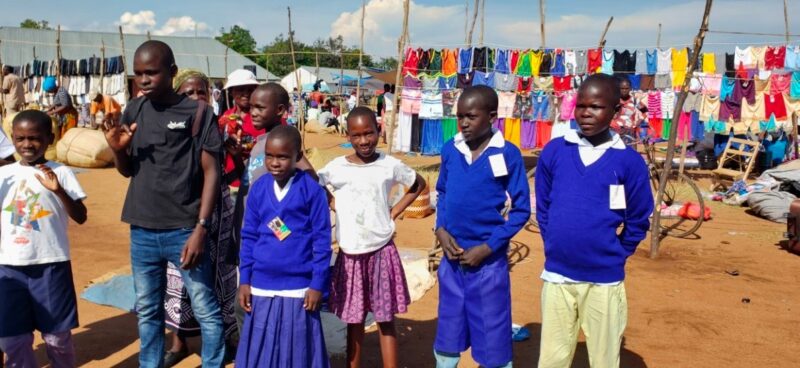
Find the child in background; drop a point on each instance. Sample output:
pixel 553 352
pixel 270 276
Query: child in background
pixel 36 287
pixel 588 183
pixel 285 262
pixel 236 124
pixel 368 275
pixel 479 171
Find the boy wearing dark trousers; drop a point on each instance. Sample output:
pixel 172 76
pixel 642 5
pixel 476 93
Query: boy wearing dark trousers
pixel 479 171
pixel 174 181
pixel 588 183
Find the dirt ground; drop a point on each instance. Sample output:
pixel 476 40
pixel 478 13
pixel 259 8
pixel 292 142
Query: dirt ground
pixel 685 310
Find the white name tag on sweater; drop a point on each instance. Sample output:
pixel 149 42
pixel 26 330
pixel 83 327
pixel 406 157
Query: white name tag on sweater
pixel 498 165
pixel 616 197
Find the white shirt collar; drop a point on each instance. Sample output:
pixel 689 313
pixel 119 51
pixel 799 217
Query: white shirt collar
pixel 281 193
pixel 572 136
pixel 497 141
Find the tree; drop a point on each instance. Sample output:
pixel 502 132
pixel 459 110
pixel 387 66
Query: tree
pixel 239 39
pixel 32 24
pixel 387 63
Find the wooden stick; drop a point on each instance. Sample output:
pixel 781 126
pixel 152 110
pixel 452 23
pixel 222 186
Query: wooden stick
pixel 682 161
pixel 227 97
pixel 658 40
pixel 472 26
pixel 360 53
pixel 208 68
pixel 102 61
pixel 124 63
pixel 466 21
pixel 58 55
pixel 148 35
pixel 602 42
pixel 483 18
pixel 655 228
pixel 301 119
pixel 786 21
pixel 401 45
pixel 341 72
pixel 34 52
pixel 3 95
pixel 316 71
pixel 541 23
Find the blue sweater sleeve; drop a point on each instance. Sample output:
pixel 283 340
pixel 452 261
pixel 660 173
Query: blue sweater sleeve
pixel 520 195
pixel 249 234
pixel 441 185
pixel 639 202
pixel 543 186
pixel 321 239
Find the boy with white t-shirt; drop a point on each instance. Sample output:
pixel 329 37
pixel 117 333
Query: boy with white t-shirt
pixel 36 287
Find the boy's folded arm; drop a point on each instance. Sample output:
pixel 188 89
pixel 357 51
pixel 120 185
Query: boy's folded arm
pixel 321 241
pixel 639 200
pixel 520 211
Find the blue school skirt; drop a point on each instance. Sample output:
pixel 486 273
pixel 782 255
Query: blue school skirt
pixel 279 333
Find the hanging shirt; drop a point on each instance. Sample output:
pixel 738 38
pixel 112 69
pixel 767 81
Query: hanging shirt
pixel 726 87
pixel 464 61
pixel 541 107
pixel 523 109
pixel 780 83
pixel 449 62
pixel 524 84
pixel 775 57
pixel 709 63
pixel 709 108
pixel 744 88
pixel 505 82
pixel 436 61
pixel 546 66
pixel 561 84
pixel 794 89
pixel 581 60
pixel 680 61
pixel 465 80
pixel 431 106
pixel 570 62
pixel 594 60
pixel 543 84
pixel 664 65
pixel 607 67
pixel 558 69
pixel 505 106
pixel 412 60
pixel 568 102
pixel 667 104
pixel 743 57
pixel 480 59
pixel 774 106
pixel 535 61
pixel 501 62
pixel 524 65
pixel 483 79
pixel 759 54
pixel 652 61
pixel 641 62
pixel 513 60
pixel 792 60
pixel 424 61
pixel 753 112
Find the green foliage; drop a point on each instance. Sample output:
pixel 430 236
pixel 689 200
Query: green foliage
pixel 238 39
pixel 32 24
pixel 328 50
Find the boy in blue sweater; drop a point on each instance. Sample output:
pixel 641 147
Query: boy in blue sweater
pixel 588 183
pixel 478 168
pixel 284 261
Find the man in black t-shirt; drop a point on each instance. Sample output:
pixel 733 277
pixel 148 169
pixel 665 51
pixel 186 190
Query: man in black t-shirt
pixel 174 183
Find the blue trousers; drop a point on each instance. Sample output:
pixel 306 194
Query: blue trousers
pixel 475 311
pixel 150 251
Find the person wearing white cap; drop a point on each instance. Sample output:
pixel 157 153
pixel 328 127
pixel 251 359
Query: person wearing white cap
pixel 105 104
pixel 236 121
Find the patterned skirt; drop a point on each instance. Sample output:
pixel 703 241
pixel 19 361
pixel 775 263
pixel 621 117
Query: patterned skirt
pixel 372 282
pixel 221 246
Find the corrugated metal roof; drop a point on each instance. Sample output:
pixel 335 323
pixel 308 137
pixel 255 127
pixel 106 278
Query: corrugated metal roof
pixel 205 54
pixel 331 75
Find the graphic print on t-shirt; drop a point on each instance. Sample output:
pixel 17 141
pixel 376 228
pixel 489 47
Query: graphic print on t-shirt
pixel 25 212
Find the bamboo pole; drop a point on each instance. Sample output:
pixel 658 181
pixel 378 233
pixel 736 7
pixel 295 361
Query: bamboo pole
pixel 472 25
pixel 102 61
pixel 341 74
pixel 3 95
pixel 655 229
pixel 483 19
pixel 34 53
pixel 316 71
pixel 658 40
pixel 541 23
pixel 786 20
pixel 466 21
pixel 227 97
pixel 124 63
pixel 208 68
pixel 401 45
pixel 360 53
pixel 602 43
pixel 58 55
pixel 301 121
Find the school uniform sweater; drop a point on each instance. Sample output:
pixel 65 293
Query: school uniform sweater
pixel 573 208
pixel 303 258
pixel 471 198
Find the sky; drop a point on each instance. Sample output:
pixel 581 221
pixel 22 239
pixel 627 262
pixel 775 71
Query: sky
pixel 508 23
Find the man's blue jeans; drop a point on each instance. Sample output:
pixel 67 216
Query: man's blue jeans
pixel 150 251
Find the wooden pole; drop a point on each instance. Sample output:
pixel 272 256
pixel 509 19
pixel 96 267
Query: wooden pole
pixel 148 35
pixel 655 228
pixel 316 71
pixel 301 121
pixel 401 45
pixel 602 42
pixel 341 71
pixel 58 55
pixel 466 21
pixel 483 19
pixel 124 63
pixel 103 61
pixel 3 95
pixel 227 97
pixel 208 68
pixel 472 25
pixel 541 23
pixel 786 21
pixel 360 53
pixel 34 53
pixel 658 40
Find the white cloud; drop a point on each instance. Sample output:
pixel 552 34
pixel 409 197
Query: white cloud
pixel 145 20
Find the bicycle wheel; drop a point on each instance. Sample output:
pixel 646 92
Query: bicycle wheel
pixel 680 189
pixel 531 184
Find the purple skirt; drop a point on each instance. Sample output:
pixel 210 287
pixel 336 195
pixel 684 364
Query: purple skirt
pixel 280 333
pixel 372 282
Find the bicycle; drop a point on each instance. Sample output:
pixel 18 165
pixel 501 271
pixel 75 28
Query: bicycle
pixel 679 190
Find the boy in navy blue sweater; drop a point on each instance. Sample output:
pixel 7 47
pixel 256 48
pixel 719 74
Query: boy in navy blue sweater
pixel 478 168
pixel 284 261
pixel 588 183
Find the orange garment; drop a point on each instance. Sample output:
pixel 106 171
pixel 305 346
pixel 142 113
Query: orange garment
pixel 108 106
pixel 449 62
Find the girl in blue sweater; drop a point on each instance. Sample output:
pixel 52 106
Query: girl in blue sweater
pixel 284 262
pixel 588 183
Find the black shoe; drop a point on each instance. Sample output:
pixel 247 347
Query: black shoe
pixel 172 358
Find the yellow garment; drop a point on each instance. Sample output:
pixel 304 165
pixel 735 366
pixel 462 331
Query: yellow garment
pixel 600 311
pixel 762 85
pixel 751 115
pixel 709 109
pixel 512 131
pixel 759 53
pixel 709 63
pixel 680 61
pixel 792 105
pixel 536 61
pixel 543 83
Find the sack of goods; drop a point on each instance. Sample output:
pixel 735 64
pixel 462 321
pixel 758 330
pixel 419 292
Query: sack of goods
pixel 83 147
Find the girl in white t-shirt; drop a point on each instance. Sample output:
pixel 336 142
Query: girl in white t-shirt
pixel 368 275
